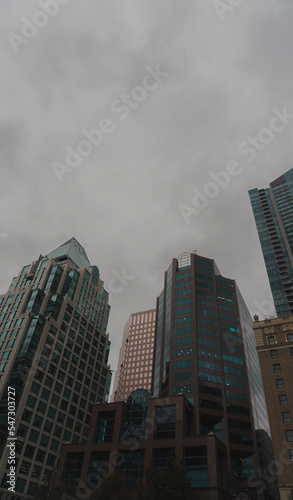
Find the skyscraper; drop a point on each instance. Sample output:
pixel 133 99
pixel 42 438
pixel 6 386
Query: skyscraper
pixel 53 363
pixel 273 213
pixel 135 364
pixel 205 348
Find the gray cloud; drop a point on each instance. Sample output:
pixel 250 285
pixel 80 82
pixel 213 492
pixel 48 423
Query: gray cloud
pixel 122 201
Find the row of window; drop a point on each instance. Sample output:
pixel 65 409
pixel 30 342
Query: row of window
pixel 271 339
pixel 132 464
pixel 275 354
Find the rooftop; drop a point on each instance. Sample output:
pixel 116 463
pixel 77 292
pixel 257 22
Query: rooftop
pixel 73 250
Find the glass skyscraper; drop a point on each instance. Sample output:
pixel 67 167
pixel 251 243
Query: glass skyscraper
pixel 54 352
pixel 205 348
pixel 273 213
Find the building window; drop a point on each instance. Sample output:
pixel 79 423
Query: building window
pixel 280 383
pixel 283 400
pixel 135 416
pixel 44 441
pixel 286 417
pixel 160 456
pixel 271 340
pixel 289 436
pixel 51 459
pixel 73 466
pixel 33 436
pixel 277 368
pixel 22 430
pixel 40 456
pixel 98 466
pixel 274 354
pixel 131 465
pixel 289 337
pixel 29 451
pixel 20 485
pixel 26 416
pixel 24 467
pixel 165 422
pixel 105 427
pixel 291 351
pixel 32 488
pixel 291 455
pixel 196 465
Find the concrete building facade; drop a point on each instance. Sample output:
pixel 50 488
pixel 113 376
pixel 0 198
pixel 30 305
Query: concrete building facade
pixel 53 364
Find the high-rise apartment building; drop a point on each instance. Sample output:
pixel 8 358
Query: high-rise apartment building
pixel 53 364
pixel 273 213
pixel 274 339
pixel 135 364
pixel 205 348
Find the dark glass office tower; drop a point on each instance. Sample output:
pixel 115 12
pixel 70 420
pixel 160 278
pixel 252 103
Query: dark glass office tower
pixel 54 355
pixel 205 348
pixel 273 213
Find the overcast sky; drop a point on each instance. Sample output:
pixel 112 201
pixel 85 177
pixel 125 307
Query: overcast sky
pixel 222 75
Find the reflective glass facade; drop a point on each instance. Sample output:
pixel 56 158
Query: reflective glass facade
pixel 205 348
pixel 273 213
pixel 54 352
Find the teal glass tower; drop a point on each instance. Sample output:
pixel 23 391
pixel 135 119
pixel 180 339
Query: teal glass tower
pixel 273 213
pixel 54 350
pixel 205 348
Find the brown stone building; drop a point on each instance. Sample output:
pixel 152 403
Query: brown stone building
pixel 129 437
pixel 274 339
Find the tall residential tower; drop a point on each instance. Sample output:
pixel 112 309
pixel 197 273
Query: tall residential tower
pixel 273 213
pixel 54 356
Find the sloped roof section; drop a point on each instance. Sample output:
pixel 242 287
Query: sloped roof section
pixel 73 250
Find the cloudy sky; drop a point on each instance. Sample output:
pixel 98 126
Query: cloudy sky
pixel 170 93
